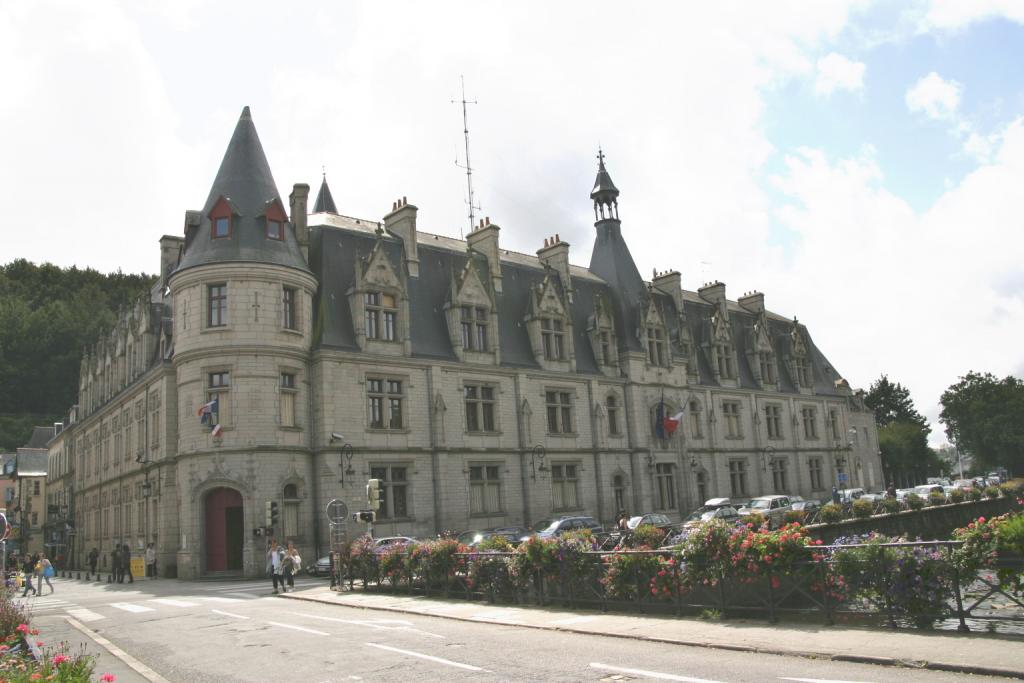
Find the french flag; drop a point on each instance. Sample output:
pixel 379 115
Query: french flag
pixel 217 430
pixel 207 408
pixel 671 424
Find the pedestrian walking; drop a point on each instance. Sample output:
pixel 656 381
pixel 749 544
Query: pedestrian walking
pixel 292 564
pixel 115 564
pixel 276 565
pixel 94 557
pixel 46 573
pixel 835 496
pixel 150 561
pixel 891 491
pixel 28 568
pixel 126 564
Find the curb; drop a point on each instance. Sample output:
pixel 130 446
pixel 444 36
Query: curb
pixel 805 654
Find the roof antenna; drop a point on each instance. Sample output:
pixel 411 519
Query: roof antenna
pixel 473 207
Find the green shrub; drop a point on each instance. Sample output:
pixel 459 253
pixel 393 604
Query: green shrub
pixel 628 575
pixel 914 501
pixel 756 519
pixel 862 509
pixel 1011 488
pixel 957 495
pixel 792 516
pixel 974 494
pixel 936 498
pixel 891 505
pixel 646 535
pixel 831 513
pixel 992 492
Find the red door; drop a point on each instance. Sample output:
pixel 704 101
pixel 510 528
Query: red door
pixel 223 505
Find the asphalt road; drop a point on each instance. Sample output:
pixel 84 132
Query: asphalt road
pixel 239 631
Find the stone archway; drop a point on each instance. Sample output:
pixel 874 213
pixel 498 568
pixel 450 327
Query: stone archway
pixel 224 530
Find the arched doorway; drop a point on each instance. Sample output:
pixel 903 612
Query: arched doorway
pixel 224 530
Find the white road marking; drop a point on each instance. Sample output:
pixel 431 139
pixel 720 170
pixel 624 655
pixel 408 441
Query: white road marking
pixel 217 598
pixel 503 617
pixel 817 680
pixel 299 628
pixel 83 614
pixel 430 658
pixel 174 603
pixel 650 674
pixel 141 668
pixel 380 624
pixel 229 614
pixel 573 620
pixel 131 607
pixel 250 596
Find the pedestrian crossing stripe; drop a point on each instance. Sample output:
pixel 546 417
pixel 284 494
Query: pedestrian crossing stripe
pixel 174 603
pixel 87 615
pixel 131 607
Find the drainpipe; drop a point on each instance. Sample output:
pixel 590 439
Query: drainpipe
pixel 435 460
pixel 312 463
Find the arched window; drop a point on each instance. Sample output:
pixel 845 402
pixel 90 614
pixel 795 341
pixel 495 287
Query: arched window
pixel 291 491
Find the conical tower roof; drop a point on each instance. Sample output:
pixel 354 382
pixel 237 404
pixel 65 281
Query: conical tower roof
pixel 604 190
pixel 245 182
pixel 324 200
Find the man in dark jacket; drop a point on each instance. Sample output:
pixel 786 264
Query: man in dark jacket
pixel 29 569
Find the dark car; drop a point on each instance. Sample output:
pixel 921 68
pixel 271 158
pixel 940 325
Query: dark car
pixel 653 519
pixel 510 533
pixel 805 505
pixel 705 513
pixel 556 526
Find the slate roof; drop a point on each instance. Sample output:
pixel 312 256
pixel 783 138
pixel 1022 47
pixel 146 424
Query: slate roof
pixel 324 200
pixel 245 180
pixel 40 437
pixel 31 462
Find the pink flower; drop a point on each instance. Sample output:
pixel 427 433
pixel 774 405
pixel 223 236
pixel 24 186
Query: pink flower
pixel 60 659
pixel 107 678
pixel 22 628
pixel 981 520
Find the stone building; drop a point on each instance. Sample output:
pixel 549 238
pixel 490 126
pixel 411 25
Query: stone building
pixel 288 355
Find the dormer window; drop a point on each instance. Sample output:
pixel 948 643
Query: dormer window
pixel 274 230
pixel 656 345
pixel 381 315
pixel 605 339
pixel 474 328
pixel 552 333
pixel 221 227
pixel 767 364
pixel 803 371
pixel 723 359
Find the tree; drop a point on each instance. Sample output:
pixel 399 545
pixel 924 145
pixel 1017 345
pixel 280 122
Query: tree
pixel 892 403
pixel 902 433
pixel 984 416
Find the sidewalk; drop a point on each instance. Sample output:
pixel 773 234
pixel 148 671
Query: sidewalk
pixel 964 653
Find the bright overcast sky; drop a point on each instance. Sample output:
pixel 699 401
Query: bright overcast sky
pixel 861 163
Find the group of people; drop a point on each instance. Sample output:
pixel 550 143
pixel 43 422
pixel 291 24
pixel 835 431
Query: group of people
pixel 283 564
pixel 36 568
pixel 121 561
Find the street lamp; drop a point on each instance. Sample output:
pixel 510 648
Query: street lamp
pixel 768 458
pixel 538 455
pixel 345 455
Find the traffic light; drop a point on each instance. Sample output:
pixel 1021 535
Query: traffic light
pixel 373 494
pixel 366 516
pixel 271 513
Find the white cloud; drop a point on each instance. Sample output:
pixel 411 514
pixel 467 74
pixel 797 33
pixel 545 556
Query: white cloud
pixel 958 14
pixel 932 292
pixel 836 72
pixel 935 97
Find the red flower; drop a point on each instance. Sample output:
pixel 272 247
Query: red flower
pixel 22 628
pixel 60 659
pixel 108 678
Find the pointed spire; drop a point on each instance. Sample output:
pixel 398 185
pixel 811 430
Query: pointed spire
pixel 604 194
pixel 324 200
pixel 244 176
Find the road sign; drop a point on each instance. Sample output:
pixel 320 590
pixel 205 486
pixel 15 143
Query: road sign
pixel 337 511
pixel 841 477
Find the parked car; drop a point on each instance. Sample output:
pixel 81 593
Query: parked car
pixel 964 484
pixel 901 494
pixel 924 490
pixel 321 567
pixel 850 495
pixel 873 497
pixel 387 542
pixel 725 512
pixel 556 526
pixel 511 533
pixel 804 505
pixel 652 518
pixel 774 509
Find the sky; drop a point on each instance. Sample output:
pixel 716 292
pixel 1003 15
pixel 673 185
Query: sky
pixel 861 163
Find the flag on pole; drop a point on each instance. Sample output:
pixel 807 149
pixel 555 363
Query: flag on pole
pixel 217 430
pixel 671 424
pixel 207 408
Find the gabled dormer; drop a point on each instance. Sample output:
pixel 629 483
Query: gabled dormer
pixel 601 333
pixel 471 314
pixel 762 356
pixel 274 220
pixel 722 349
pixel 799 361
pixel 549 326
pixel 223 217
pixel 379 302
pixel 654 334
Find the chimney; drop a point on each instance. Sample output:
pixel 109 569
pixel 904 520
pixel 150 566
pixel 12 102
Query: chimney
pixel 401 223
pixel 193 219
pixel 297 202
pixel 484 240
pixel 58 427
pixel 753 302
pixel 713 292
pixel 170 251
pixel 555 254
pixel 670 282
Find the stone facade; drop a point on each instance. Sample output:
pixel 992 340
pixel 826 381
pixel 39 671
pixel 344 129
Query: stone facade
pixel 484 387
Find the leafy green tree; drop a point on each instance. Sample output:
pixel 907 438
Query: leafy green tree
pixel 902 433
pixel 984 416
pixel 48 315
